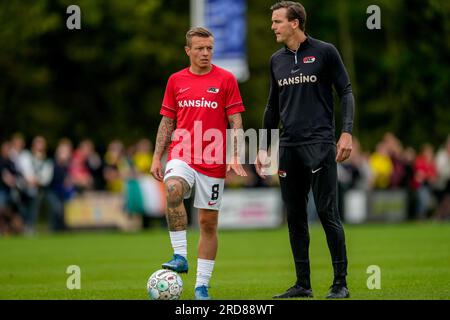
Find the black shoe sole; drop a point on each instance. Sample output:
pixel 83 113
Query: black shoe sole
pixel 295 296
pixel 346 297
pixel 305 297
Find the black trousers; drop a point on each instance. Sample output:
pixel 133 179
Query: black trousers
pixel 301 168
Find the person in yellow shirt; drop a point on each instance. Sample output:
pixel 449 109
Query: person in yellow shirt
pixel 142 158
pixel 117 168
pixel 381 166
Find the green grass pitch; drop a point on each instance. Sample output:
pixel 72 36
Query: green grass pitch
pixel 414 259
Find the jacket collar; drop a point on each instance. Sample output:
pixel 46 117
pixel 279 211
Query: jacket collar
pixel 305 44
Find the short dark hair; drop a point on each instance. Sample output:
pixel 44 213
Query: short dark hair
pixel 294 11
pixel 197 32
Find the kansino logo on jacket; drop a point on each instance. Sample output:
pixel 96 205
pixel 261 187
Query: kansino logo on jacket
pixel 297 80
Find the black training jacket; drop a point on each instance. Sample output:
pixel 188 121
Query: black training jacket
pixel 301 94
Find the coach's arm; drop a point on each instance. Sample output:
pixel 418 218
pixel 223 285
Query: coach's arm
pixel 343 88
pixel 271 120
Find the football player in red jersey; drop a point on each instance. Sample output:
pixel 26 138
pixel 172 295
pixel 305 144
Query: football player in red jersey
pixel 199 103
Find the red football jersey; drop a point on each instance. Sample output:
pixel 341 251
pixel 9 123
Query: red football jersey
pixel 200 105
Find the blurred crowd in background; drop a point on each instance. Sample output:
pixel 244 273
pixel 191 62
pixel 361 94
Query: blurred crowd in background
pixel 34 180
pixel 424 174
pixel 102 83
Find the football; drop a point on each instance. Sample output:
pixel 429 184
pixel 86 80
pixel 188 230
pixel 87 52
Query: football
pixel 164 285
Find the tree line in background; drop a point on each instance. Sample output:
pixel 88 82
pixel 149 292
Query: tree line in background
pixel 107 80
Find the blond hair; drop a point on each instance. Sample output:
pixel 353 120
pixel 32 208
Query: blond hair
pixel 197 32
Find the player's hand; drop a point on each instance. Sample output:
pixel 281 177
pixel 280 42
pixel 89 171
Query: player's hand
pixel 344 147
pixel 262 161
pixel 236 167
pixel 156 170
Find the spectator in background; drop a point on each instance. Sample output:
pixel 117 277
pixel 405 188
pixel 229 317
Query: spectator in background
pixel 142 158
pixel 95 166
pixel 10 221
pixel 18 151
pixel 395 151
pixel 61 187
pixel 16 148
pixel 38 172
pixel 442 183
pixel 8 174
pixel 117 167
pixel 381 166
pixel 143 193
pixel 354 173
pixel 409 158
pixel 425 175
pixel 80 166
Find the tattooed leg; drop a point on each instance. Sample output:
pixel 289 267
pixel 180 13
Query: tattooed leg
pixel 176 216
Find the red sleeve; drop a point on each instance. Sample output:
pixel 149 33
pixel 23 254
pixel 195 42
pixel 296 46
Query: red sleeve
pixel 168 107
pixel 233 100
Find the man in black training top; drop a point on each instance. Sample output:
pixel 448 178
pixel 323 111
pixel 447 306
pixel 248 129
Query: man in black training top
pixel 302 75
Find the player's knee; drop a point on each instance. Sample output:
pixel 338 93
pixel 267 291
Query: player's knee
pixel 174 193
pixel 208 226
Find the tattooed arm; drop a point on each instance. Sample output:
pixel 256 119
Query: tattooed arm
pixel 163 138
pixel 235 121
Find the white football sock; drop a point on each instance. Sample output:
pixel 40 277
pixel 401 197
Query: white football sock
pixel 204 272
pixel 179 242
